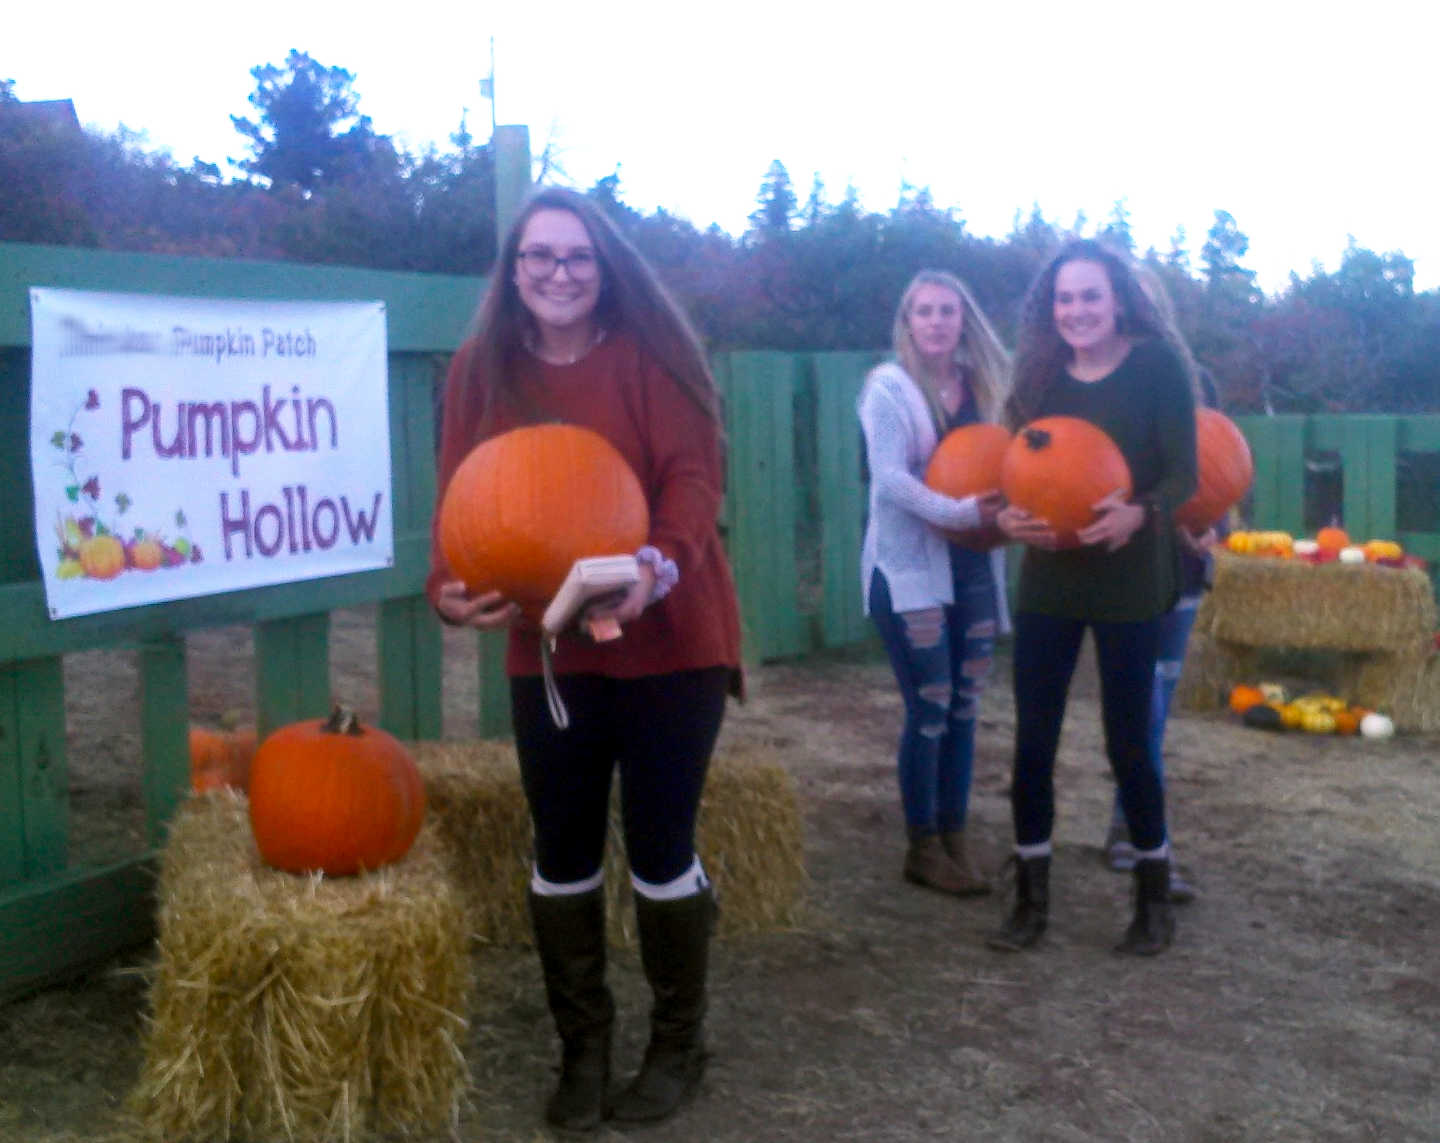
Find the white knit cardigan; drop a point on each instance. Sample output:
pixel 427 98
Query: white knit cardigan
pixel 903 534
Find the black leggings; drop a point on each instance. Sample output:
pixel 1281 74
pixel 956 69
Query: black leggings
pixel 660 729
pixel 1045 650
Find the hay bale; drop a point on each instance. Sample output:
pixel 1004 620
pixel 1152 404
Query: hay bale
pixel 748 836
pixel 1405 686
pixel 1340 607
pixel 300 1008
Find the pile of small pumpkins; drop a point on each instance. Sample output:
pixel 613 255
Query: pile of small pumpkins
pixel 1331 544
pixel 1267 706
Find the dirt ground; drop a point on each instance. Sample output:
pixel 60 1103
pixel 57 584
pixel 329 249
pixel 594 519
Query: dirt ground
pixel 1301 1002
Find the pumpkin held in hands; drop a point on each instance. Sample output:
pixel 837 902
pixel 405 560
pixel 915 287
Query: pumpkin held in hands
pixel 1058 468
pixel 1224 470
pixel 334 796
pixel 525 505
pixel 967 462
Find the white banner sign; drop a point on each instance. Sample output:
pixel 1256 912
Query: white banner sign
pixel 185 446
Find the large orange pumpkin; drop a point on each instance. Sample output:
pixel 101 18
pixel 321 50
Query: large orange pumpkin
pixel 967 460
pixel 1057 468
pixel 1225 469
pixel 525 505
pixel 334 796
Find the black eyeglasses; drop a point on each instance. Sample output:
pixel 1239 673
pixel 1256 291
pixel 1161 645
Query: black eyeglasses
pixel 582 265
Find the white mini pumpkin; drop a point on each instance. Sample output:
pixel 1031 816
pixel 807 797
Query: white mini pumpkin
pixel 1375 725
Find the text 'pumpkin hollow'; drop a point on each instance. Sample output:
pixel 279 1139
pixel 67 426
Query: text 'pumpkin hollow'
pixel 1058 468
pixel 525 505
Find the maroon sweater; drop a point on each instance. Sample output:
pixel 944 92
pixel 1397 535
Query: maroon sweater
pixel 675 450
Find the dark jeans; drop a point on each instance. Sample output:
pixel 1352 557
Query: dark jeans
pixel 1046 650
pixel 942 658
pixel 659 729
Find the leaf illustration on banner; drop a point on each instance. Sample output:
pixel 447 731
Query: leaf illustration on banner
pixel 72 492
pixel 91 488
pixel 122 502
pixel 180 520
pixel 92 400
pixel 58 438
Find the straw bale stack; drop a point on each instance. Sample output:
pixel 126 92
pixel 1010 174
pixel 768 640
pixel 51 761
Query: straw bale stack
pixel 748 836
pixel 290 1007
pixel 1339 607
pixel 1405 686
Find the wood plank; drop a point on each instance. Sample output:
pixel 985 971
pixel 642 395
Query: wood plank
pixel 17 501
pixel 26 631
pixel 423 312
pixel 839 378
pixel 411 668
pixel 493 687
pixel 56 926
pixel 1382 436
pixel 164 732
pixel 45 789
pixel 12 782
pixel 292 670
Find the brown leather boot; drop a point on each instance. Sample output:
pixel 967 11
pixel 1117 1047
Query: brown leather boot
pixel 927 863
pixel 953 842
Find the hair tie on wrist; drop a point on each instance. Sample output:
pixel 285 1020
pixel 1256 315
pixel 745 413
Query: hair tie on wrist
pixel 667 575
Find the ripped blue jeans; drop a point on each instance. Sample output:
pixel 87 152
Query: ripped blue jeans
pixel 942 658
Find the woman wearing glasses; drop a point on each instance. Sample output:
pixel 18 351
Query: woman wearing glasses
pixel 576 328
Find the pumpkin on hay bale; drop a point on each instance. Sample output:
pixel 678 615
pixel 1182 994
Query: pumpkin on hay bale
pixel 290 1007
pixel 748 836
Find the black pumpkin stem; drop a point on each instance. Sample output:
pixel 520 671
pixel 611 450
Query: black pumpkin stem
pixel 343 720
pixel 1036 439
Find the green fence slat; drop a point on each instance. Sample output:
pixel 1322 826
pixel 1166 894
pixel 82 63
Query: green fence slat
pixel 45 787
pixel 164 732
pixel 493 687
pixel 54 926
pixel 292 670
pixel 12 807
pixel 411 668
pixel 1382 438
pixel 838 380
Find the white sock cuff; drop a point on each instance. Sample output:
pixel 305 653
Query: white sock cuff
pixel 1039 849
pixel 542 888
pixel 1153 854
pixel 689 883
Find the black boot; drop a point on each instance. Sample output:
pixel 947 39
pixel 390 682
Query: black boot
pixel 570 935
pixel 1153 929
pixel 674 948
pixel 1027 921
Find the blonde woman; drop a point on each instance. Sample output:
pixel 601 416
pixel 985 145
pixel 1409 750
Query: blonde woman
pixel 936 605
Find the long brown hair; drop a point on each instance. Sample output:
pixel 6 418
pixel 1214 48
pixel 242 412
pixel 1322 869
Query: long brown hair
pixel 982 359
pixel 632 299
pixel 1041 353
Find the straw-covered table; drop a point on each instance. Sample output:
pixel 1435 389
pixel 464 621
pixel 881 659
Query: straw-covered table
pixel 1380 622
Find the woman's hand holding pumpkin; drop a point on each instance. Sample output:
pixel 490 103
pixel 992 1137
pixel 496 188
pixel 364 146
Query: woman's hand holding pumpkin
pixel 489 611
pixel 1119 520
pixel 1024 528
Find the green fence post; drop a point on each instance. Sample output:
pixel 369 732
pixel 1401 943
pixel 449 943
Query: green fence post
pixel 838 380
pixel 164 732
pixel 494 687
pixel 292 670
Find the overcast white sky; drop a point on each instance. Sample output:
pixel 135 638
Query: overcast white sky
pixel 1307 121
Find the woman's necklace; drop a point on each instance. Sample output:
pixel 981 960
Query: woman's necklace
pixel 533 346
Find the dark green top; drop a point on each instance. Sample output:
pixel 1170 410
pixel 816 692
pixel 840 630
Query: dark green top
pixel 1147 408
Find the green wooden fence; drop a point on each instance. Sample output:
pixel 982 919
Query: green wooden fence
pixel 792 520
